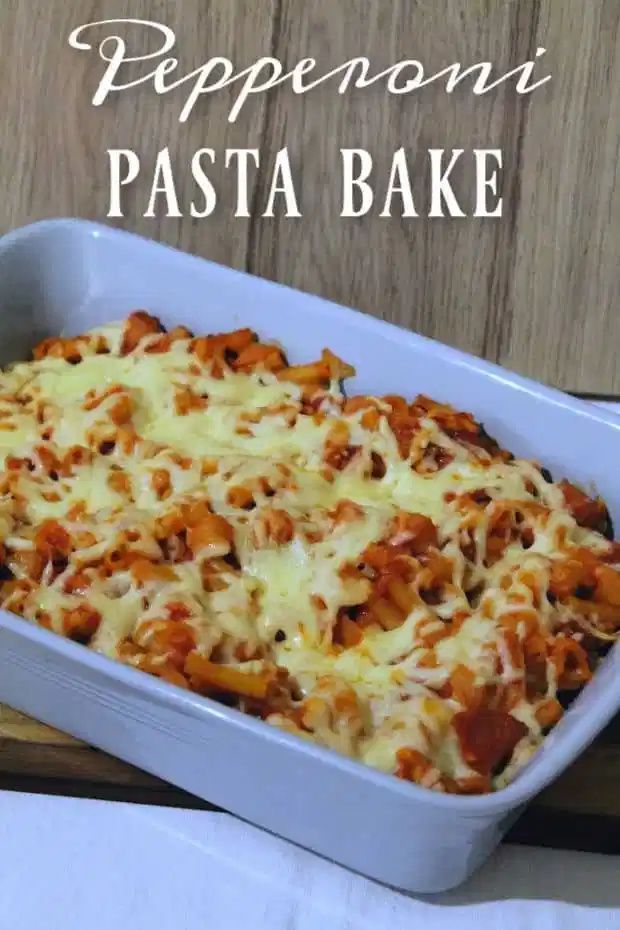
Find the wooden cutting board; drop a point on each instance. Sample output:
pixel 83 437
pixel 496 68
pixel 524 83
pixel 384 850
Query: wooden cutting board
pixel 580 811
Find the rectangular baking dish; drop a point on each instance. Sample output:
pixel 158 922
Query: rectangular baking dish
pixel 64 276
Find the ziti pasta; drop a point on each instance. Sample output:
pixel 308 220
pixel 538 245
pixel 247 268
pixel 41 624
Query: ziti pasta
pixel 370 573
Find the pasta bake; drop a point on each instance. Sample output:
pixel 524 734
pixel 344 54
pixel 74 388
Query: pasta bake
pixel 373 574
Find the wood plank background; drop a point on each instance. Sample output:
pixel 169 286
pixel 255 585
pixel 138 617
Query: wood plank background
pixel 547 274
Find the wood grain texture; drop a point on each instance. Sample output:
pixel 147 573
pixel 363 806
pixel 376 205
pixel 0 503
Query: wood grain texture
pixel 53 143
pixel 561 320
pixel 442 277
pixel 545 274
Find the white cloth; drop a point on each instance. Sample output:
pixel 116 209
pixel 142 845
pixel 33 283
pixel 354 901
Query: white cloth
pixel 67 863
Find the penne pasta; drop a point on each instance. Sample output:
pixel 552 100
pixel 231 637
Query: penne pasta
pixel 374 574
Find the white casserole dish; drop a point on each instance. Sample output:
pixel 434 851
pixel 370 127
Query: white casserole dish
pixel 64 276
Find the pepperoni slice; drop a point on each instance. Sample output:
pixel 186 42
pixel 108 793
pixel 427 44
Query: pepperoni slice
pixel 487 737
pixel 587 511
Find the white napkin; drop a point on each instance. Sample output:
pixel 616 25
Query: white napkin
pixel 68 863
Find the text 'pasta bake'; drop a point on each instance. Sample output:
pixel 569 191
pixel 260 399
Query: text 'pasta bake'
pixel 373 574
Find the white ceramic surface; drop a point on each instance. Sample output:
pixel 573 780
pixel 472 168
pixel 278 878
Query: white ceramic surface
pixel 67 275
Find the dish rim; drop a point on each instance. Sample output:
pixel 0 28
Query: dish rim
pixel 539 772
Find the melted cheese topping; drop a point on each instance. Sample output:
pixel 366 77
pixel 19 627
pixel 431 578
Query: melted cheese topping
pixel 382 658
